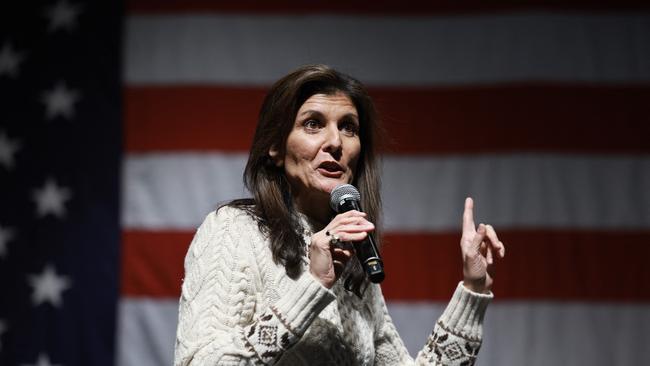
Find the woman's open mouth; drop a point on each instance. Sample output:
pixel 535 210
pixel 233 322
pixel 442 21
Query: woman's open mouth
pixel 330 169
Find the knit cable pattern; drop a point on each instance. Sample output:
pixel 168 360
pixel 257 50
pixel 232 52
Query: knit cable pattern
pixel 238 307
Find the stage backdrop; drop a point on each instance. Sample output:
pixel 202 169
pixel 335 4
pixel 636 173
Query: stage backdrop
pixel 539 110
pixel 539 113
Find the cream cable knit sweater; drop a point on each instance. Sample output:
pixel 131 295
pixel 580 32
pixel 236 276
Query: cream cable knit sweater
pixel 239 308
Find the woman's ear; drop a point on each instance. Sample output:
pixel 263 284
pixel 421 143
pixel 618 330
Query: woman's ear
pixel 275 156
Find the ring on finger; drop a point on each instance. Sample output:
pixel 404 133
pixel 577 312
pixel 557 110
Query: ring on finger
pixel 335 240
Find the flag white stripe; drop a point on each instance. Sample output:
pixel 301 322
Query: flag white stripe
pixel 146 331
pixel 421 193
pixel 543 333
pixel 516 333
pixel 176 191
pixel 252 50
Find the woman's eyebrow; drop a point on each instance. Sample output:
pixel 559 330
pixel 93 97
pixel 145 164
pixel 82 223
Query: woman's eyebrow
pixel 311 111
pixel 318 113
pixel 351 115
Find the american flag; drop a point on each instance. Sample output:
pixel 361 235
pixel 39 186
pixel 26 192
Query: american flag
pixel 537 109
pixel 60 156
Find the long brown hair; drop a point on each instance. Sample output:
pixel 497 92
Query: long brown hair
pixel 272 204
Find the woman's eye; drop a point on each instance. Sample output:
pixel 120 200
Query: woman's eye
pixel 311 124
pixel 350 128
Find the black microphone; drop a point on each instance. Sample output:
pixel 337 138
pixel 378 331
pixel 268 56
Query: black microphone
pixel 346 197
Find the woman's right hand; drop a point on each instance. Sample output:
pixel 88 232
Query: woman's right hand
pixel 327 261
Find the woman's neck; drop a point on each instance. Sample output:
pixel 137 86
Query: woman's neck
pixel 316 208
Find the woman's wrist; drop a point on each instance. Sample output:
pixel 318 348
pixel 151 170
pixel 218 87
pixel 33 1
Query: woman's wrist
pixel 479 286
pixel 328 283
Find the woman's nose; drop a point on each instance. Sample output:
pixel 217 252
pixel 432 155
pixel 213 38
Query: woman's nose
pixel 332 142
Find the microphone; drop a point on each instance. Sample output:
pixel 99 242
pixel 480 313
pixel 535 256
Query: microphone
pixel 346 197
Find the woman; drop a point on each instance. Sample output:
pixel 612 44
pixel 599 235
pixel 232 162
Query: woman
pixel 262 275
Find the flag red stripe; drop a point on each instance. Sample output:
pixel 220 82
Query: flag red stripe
pixel 152 262
pixel 374 7
pixel 506 118
pixel 190 118
pixel 540 265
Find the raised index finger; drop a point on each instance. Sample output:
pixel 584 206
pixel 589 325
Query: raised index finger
pixel 468 216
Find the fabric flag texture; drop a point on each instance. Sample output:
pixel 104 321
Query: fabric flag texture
pixel 539 113
pixel 536 109
pixel 60 156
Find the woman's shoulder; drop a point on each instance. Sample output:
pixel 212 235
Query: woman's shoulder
pixel 224 227
pixel 234 212
pixel 229 215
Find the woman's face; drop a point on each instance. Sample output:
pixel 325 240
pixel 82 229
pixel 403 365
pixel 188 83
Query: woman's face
pixel 323 146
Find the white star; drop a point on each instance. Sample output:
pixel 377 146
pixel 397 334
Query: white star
pixel 6 235
pixel 42 360
pixel 9 60
pixel 3 328
pixel 60 101
pixel 48 286
pixel 62 15
pixel 7 150
pixel 51 199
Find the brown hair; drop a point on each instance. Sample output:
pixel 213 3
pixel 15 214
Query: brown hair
pixel 272 202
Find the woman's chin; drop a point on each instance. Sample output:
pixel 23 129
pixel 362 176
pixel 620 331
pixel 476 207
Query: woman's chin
pixel 329 185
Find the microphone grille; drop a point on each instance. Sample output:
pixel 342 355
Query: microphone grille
pixel 343 191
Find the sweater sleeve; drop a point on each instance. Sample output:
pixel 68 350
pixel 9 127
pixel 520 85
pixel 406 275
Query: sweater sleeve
pixel 455 340
pixel 218 321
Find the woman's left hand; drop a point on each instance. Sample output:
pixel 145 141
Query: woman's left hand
pixel 479 247
pixel 327 258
